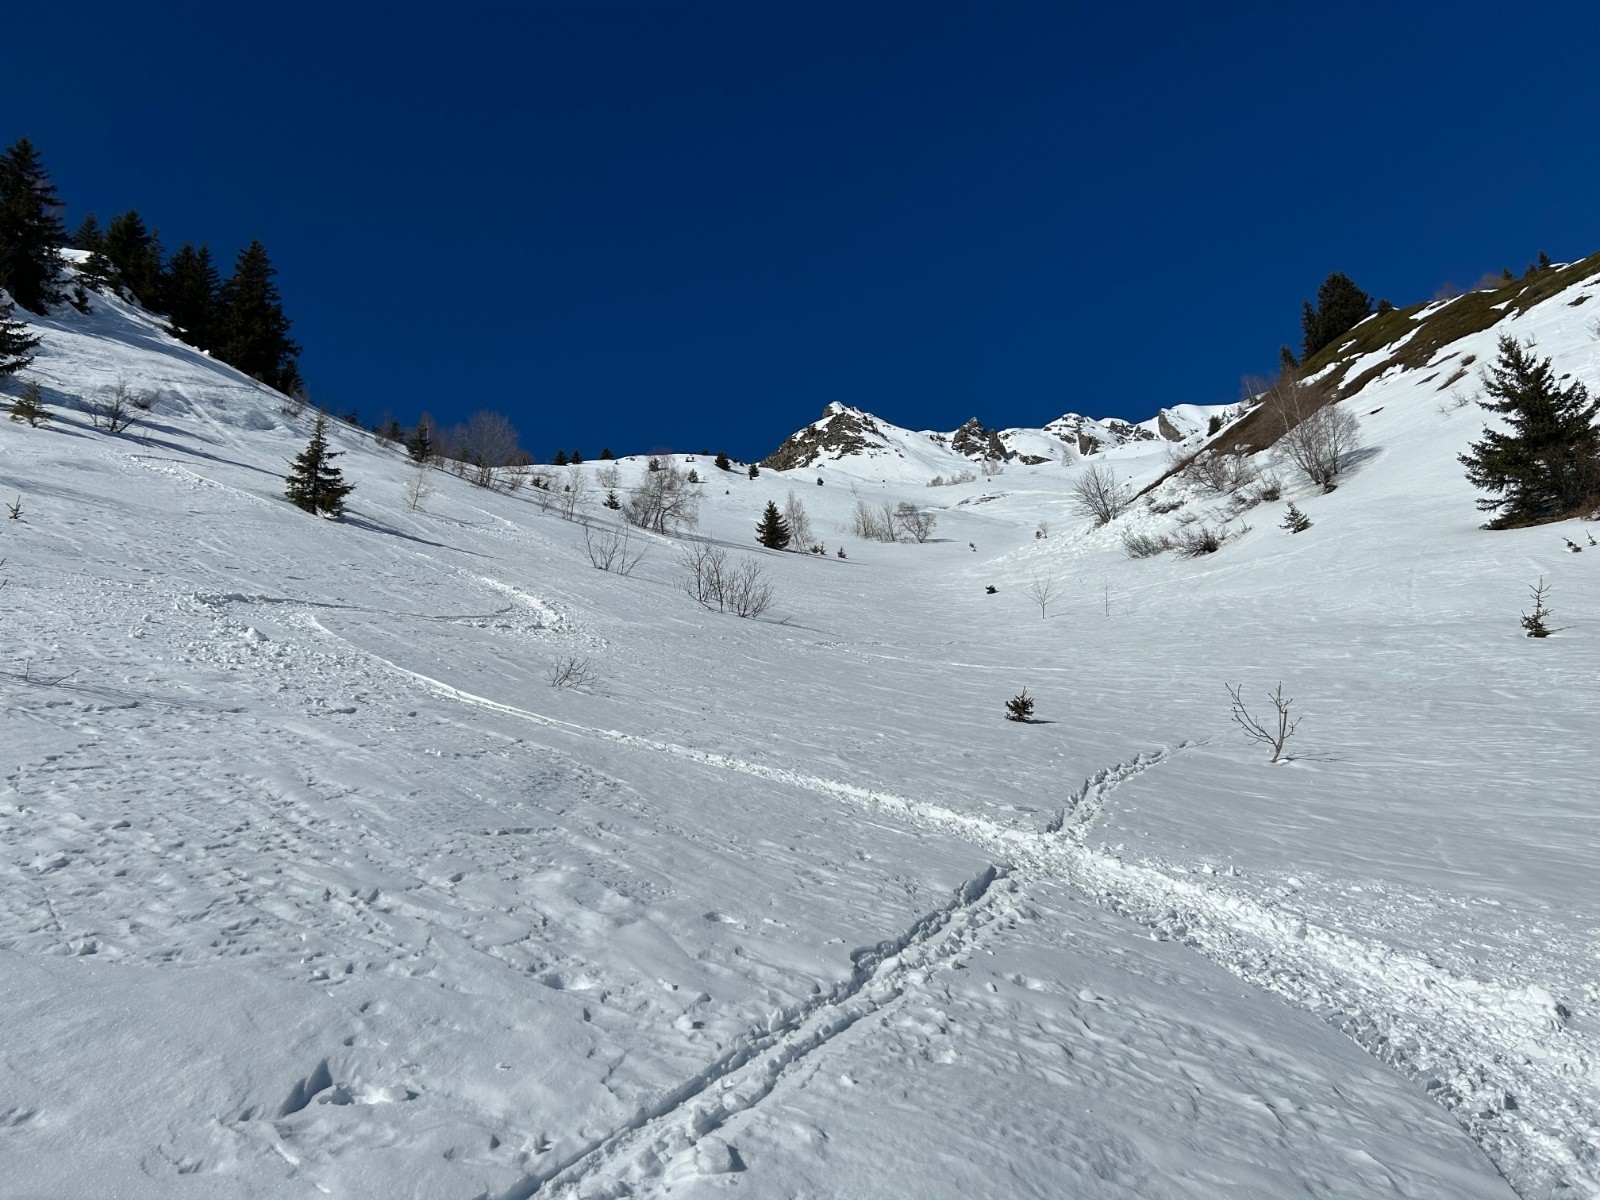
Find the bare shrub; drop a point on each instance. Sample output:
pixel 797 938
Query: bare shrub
pixel 1312 432
pixel 1221 472
pixel 1097 494
pixel 1274 731
pixel 419 488
pixel 957 477
pixel 872 524
pixel 713 581
pixel 1321 445
pixel 1271 488
pixel 612 549
pixel 574 496
pixel 798 521
pixel 1165 506
pixel 569 672
pixel 664 501
pixel 1198 540
pixel 917 524
pixel 608 476
pixel 1145 545
pixel 115 409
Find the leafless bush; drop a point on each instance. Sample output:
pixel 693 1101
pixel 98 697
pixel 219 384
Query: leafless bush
pixel 612 549
pixel 419 487
pixel 1273 731
pixel 1321 445
pixel 742 589
pixel 1164 506
pixel 1041 591
pixel 956 477
pixel 115 409
pixel 1097 494
pixel 917 524
pixel 1198 540
pixel 1271 488
pixel 569 672
pixel 1221 472
pixel 608 475
pixel 798 521
pixel 664 501
pixel 1145 545
pixel 872 524
pixel 574 496
pixel 992 467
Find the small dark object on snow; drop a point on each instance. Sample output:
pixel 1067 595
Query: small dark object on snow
pixel 991 589
pixel 1020 707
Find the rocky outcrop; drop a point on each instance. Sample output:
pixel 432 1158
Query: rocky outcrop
pixel 841 431
pixel 1166 428
pixel 974 441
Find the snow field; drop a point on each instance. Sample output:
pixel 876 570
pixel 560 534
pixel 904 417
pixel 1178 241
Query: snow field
pixel 312 885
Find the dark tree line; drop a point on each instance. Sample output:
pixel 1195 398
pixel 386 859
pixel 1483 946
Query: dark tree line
pixel 239 320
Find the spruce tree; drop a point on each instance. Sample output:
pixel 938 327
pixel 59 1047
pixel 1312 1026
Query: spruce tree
pixel 314 484
pixel 15 343
pixel 722 463
pixel 1294 520
pixel 29 406
pixel 89 235
pixel 420 444
pixel 1341 305
pixel 576 459
pixel 31 233
pixel 754 471
pixel 189 296
pixel 560 460
pixel 1547 465
pixel 773 532
pixel 606 455
pixel 253 332
pixel 135 252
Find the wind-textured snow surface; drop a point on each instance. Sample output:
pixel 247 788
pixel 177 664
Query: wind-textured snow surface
pixel 311 884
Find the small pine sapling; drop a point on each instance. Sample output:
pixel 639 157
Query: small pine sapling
pixel 1534 622
pixel 29 406
pixel 314 483
pixel 721 462
pixel 841 552
pixel 1020 707
pixel 1294 520
pixel 755 471
pixel 14 511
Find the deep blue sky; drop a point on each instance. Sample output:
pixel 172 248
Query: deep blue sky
pixel 691 224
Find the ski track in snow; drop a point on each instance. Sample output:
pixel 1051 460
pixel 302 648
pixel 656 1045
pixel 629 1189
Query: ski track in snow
pixel 1501 1059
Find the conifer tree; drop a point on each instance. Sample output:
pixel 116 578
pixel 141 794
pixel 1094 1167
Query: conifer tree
pixel 189 296
pixel 754 471
pixel 29 406
pixel 314 484
pixel 1547 465
pixel 135 253
pixel 15 342
pixel 1341 305
pixel 1295 521
pixel 31 233
pixel 576 459
pixel 420 444
pixel 560 460
pixel 89 235
pixel 722 463
pixel 606 455
pixel 773 532
pixel 253 332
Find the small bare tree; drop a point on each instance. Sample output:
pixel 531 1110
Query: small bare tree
pixel 749 590
pixel 1041 591
pixel 612 549
pixel 1267 731
pixel 798 521
pixel 574 496
pixel 608 476
pixel 419 487
pixel 1097 494
pixel 570 671
pixel 664 501
pixel 872 524
pixel 1320 446
pixel 914 522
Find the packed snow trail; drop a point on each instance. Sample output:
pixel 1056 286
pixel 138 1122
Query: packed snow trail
pixel 1503 1059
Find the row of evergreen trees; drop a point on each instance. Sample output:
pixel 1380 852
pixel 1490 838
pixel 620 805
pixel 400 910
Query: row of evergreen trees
pixel 239 320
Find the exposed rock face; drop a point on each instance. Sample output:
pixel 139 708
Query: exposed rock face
pixel 841 431
pixel 1166 428
pixel 974 441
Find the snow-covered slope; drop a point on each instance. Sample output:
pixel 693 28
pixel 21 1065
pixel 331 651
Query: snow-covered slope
pixel 312 884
